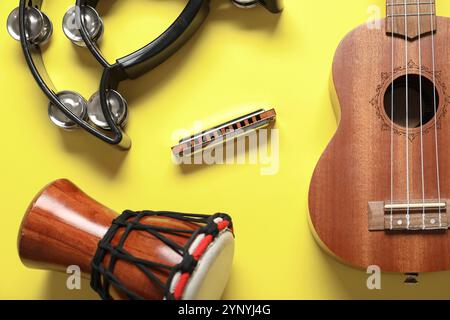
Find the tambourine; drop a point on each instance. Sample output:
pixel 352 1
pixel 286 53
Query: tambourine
pixel 105 113
pixel 136 255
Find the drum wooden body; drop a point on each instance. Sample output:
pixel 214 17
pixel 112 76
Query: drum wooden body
pixel 63 227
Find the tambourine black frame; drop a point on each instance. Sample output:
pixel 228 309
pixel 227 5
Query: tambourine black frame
pixel 128 67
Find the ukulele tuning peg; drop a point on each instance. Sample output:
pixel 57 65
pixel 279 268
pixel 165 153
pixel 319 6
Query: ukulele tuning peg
pixel 38 26
pixel 92 22
pixel 411 278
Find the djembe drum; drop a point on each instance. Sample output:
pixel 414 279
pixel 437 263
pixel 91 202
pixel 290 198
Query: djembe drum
pixel 137 255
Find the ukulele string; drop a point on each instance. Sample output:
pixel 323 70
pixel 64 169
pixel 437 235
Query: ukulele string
pixel 433 11
pixel 392 122
pixel 419 29
pixel 407 114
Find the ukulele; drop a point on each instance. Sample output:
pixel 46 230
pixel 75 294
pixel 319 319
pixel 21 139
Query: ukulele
pixel 380 193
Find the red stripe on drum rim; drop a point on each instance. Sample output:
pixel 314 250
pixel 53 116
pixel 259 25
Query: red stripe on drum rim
pixel 203 245
pixel 181 285
pixel 198 253
pixel 223 225
pixel 184 278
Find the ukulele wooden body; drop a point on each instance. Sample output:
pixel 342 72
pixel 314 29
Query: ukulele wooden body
pixel 355 168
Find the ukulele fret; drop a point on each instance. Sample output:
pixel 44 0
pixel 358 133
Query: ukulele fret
pixel 411 14
pixel 403 18
pixel 408 4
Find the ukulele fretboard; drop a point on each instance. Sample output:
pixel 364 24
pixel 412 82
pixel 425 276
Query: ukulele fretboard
pixel 411 18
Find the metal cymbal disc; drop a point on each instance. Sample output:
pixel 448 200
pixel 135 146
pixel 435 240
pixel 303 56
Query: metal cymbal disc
pixel 34 24
pixel 117 104
pixel 47 30
pixel 92 21
pixel 74 102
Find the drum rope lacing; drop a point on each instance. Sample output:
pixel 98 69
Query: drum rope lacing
pixel 103 276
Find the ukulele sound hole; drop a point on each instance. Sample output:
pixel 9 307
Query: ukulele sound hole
pixel 399 107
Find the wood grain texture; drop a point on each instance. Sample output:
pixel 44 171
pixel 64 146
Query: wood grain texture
pixel 355 168
pixel 63 225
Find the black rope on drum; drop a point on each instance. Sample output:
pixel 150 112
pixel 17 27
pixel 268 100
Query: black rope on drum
pixel 102 277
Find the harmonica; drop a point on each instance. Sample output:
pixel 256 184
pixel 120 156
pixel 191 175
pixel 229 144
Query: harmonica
pixel 221 133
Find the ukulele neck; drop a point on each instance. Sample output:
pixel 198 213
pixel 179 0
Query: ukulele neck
pixel 410 18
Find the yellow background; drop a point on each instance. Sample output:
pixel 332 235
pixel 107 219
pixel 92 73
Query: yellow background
pixel 238 61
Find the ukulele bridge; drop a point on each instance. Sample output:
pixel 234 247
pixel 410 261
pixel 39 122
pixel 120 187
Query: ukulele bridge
pixel 417 216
